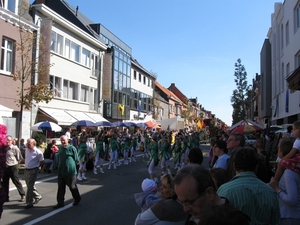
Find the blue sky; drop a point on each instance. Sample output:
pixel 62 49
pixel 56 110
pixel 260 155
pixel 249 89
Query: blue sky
pixel 192 43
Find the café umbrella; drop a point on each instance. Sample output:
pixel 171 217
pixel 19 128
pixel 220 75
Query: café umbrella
pixel 46 126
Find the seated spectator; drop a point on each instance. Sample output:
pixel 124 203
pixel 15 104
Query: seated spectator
pixel 148 197
pixel 248 193
pixel 166 211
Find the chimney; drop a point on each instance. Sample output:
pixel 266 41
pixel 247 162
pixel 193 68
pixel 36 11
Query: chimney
pixel 77 10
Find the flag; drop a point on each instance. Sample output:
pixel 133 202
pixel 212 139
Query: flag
pixel 121 109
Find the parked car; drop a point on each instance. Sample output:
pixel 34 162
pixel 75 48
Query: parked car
pixel 250 139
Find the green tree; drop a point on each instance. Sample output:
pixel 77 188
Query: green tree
pixel 240 96
pixel 29 64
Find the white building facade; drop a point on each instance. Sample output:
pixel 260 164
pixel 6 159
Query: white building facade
pixel 284 36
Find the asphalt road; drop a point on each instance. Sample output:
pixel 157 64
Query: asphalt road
pixel 107 199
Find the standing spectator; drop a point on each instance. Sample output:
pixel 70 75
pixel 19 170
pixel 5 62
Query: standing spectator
pixel 235 142
pixel 68 133
pixel 196 191
pixel 68 158
pixel 22 147
pixel 288 189
pixel 220 150
pixel 219 176
pixel 212 158
pixel 33 163
pixel 248 193
pixel 195 156
pixel 13 157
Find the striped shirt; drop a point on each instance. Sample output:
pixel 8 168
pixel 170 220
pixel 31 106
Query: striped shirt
pixel 253 197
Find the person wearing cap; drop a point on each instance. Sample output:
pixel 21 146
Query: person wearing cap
pixel 148 197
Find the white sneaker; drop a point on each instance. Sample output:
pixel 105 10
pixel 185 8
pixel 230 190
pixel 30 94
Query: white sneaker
pixel 95 170
pixel 109 166
pixel 101 170
pixel 133 159
pixel 83 177
pixel 79 177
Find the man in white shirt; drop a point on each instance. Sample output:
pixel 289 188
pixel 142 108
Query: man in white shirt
pixel 68 133
pixel 34 159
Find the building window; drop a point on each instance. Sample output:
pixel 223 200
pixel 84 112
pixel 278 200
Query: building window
pixel 282 77
pixel 297 17
pixel 134 75
pixel 7 56
pixel 85 57
pixel 287 70
pixel 171 109
pixel 56 43
pixel 11 5
pixel 281 36
pixel 55 86
pixel 84 94
pixel 73 91
pixel 72 50
pixel 140 77
pixel 95 63
pixel 144 80
pixel 297 63
pixel 287 33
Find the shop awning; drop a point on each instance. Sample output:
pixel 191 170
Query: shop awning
pixel 79 115
pixel 5 112
pixel 59 115
pixel 96 117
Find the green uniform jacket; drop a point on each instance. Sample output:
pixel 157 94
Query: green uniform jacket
pixel 100 149
pixel 68 158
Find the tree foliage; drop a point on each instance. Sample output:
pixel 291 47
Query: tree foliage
pixel 240 96
pixel 25 70
pixel 28 64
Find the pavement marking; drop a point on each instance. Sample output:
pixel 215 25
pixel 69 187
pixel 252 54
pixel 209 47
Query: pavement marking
pixel 49 214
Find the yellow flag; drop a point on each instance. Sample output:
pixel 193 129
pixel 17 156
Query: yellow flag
pixel 121 108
